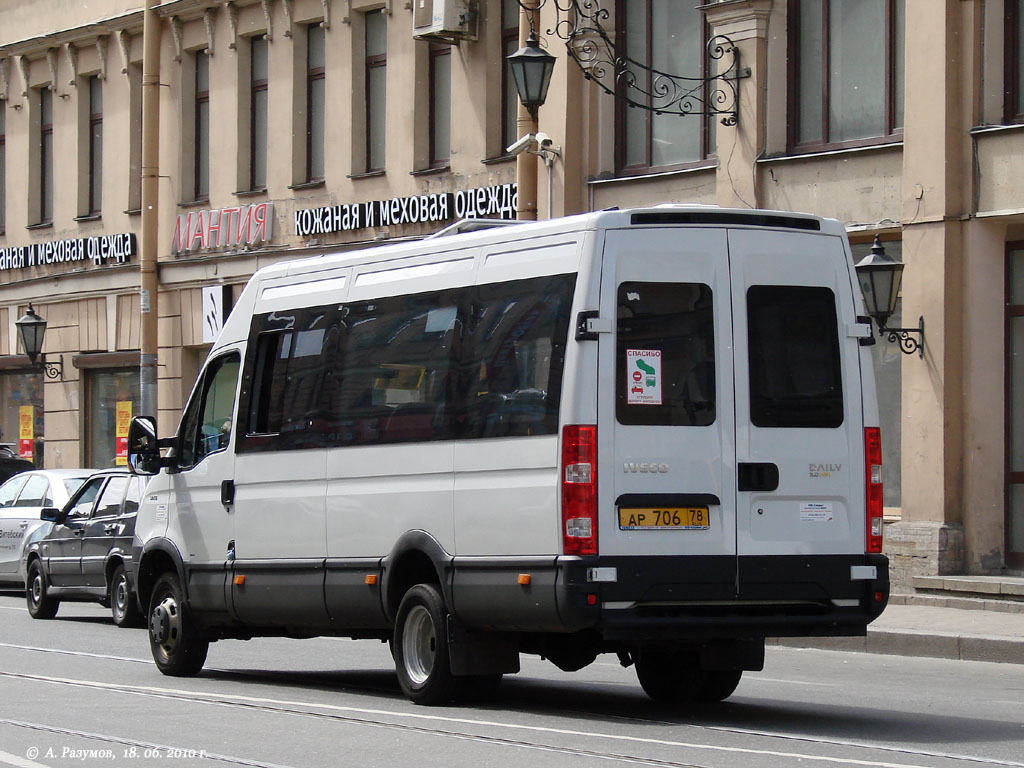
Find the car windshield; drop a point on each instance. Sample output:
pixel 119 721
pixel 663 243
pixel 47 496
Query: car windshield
pixel 73 484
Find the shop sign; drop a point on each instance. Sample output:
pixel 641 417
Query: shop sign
pixel 496 202
pixel 73 252
pixel 26 432
pixel 223 228
pixel 123 419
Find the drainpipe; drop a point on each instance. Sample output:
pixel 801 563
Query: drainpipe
pixel 150 206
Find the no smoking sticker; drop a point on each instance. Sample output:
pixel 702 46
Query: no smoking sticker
pixel 643 376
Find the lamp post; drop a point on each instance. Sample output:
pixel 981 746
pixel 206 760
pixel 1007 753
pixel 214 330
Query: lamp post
pixel 879 276
pixel 31 330
pixel 531 70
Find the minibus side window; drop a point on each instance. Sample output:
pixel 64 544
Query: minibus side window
pixel 512 358
pixel 665 355
pixel 795 371
pixel 207 422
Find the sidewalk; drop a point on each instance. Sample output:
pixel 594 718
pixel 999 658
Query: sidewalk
pixel 925 630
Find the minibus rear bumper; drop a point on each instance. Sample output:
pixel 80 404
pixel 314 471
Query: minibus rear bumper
pixel 659 598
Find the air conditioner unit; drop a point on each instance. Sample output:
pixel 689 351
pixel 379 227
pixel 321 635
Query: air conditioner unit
pixel 446 20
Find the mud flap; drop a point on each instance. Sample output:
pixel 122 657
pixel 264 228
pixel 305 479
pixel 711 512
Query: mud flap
pixel 481 653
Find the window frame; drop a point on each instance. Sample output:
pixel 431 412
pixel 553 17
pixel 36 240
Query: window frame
pixel 892 134
pixel 622 109
pixel 314 75
pixel 373 62
pixel 95 123
pixel 45 156
pixel 201 115
pixel 258 139
pixel 439 156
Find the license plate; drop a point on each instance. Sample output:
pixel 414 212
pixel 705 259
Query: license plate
pixel 664 519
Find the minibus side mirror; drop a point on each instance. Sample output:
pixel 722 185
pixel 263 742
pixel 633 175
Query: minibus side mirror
pixel 143 446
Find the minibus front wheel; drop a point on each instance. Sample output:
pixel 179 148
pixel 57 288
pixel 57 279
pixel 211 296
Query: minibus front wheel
pixel 420 647
pixel 178 649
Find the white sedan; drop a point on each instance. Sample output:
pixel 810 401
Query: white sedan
pixel 21 499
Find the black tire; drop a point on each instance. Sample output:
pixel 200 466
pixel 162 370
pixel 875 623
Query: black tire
pixel 421 647
pixel 123 606
pixel 40 604
pixel 668 679
pixel 178 649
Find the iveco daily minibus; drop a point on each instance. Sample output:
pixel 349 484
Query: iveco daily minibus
pixel 645 432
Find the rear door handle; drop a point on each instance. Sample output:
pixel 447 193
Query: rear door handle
pixel 110 528
pixel 757 476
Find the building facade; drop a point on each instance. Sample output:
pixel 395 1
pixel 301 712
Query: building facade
pixel 297 127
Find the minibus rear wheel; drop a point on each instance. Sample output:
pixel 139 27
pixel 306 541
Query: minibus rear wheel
pixel 178 649
pixel 421 647
pixel 672 678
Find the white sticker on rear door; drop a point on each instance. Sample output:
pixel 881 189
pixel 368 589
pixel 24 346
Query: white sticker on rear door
pixel 816 512
pixel 643 377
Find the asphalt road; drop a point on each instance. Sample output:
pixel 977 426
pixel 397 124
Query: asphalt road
pixel 79 691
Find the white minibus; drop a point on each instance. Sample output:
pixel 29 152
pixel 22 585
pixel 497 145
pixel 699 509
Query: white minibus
pixel 646 432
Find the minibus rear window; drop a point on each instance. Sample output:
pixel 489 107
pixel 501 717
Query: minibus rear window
pixel 665 343
pixel 795 372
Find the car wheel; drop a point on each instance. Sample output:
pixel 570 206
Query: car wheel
pixel 123 607
pixel 421 647
pixel 40 604
pixel 178 649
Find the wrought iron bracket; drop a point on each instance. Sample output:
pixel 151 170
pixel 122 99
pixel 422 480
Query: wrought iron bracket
pixel 52 370
pixel 592 47
pixel 907 344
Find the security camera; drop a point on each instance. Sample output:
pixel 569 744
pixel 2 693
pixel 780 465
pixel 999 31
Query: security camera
pixel 545 141
pixel 521 145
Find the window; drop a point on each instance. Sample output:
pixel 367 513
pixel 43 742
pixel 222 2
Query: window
pixel 1015 406
pixel 464 363
pixel 36 493
pixel 665 352
pixel 376 89
pixel 847 71
pixel 9 491
pixel 135 138
pixel 21 394
pixel 201 128
pixel 793 344
pixel 440 104
pixel 315 102
pixel 258 115
pixel 95 144
pixel 206 425
pixel 663 37
pixel 81 506
pixel 1014 58
pixel 3 170
pixel 109 504
pixel 104 390
pixel 45 156
pixel 510 10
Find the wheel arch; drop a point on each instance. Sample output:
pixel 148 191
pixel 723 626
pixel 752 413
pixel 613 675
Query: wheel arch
pixel 416 558
pixel 159 556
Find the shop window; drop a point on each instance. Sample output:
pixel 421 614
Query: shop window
pixel 657 36
pixel 1015 406
pixel 440 104
pixel 376 89
pixel 315 102
pixel 108 393
pixel 21 415
pixel 847 71
pixel 887 361
pixel 258 113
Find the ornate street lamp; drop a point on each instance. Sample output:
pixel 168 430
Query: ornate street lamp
pixel 880 276
pixel 531 70
pixel 31 330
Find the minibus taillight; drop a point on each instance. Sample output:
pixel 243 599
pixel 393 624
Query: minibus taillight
pixel 873 487
pixel 579 490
